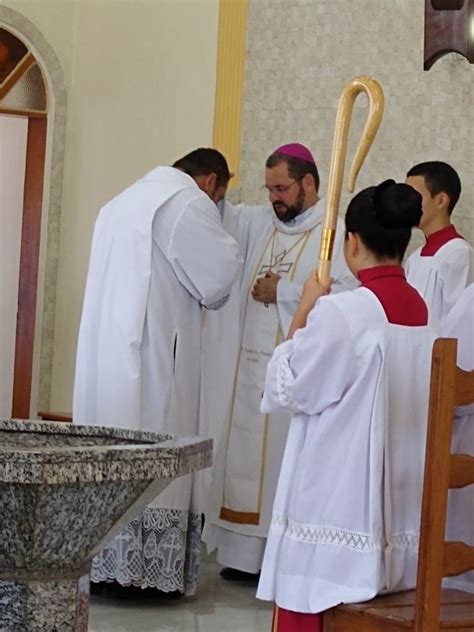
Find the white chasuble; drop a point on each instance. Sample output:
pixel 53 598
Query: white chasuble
pixel 250 444
pixel 261 334
pixel 346 514
pixel 442 277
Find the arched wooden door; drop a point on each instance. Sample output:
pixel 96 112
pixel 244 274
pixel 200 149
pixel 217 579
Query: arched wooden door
pixel 23 105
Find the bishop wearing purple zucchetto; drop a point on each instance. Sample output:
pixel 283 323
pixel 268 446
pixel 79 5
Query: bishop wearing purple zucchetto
pixel 280 244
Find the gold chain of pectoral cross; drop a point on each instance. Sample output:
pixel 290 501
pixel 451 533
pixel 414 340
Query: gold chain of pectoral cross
pixel 278 259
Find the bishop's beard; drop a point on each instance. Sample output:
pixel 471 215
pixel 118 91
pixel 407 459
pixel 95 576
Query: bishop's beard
pixel 286 213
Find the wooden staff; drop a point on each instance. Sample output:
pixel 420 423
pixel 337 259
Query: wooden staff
pixel 338 158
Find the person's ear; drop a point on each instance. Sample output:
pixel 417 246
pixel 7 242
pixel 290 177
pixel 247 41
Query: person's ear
pixel 442 200
pixel 353 245
pixel 308 182
pixel 210 183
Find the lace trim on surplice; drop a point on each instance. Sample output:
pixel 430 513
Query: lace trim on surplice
pixel 319 534
pixel 285 380
pixel 159 549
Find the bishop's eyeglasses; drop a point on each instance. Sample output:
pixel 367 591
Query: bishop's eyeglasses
pixel 281 188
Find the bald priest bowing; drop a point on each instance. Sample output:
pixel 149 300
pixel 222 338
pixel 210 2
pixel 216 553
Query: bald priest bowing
pixel 279 244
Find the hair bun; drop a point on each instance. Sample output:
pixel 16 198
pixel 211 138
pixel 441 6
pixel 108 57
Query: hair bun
pixel 397 205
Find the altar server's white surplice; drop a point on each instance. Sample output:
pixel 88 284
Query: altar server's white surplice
pixel 346 515
pixel 441 277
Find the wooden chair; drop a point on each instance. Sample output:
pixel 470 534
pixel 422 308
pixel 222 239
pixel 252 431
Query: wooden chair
pixel 429 608
pixel 50 416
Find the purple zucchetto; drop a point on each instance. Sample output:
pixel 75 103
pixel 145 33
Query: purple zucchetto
pixel 296 150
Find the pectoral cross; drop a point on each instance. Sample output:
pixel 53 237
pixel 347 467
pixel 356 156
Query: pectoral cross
pixel 282 268
pixel 278 266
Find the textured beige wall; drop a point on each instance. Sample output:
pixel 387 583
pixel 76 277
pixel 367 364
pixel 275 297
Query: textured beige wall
pixel 141 82
pixel 299 55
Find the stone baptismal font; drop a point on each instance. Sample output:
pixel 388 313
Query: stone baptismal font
pixel 65 491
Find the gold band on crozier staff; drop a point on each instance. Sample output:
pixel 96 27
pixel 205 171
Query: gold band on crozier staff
pixel 327 244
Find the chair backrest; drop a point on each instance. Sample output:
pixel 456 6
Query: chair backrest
pixel 50 416
pixel 450 387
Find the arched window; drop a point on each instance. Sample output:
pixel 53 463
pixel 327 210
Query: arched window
pixel 22 86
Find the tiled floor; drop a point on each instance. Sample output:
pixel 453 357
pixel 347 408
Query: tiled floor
pixel 219 606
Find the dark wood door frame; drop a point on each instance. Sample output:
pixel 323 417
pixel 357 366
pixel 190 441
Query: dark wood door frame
pixel 29 261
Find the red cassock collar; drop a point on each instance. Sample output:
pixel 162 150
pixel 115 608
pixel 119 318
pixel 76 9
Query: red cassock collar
pixel 438 239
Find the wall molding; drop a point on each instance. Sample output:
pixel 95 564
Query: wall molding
pixel 231 41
